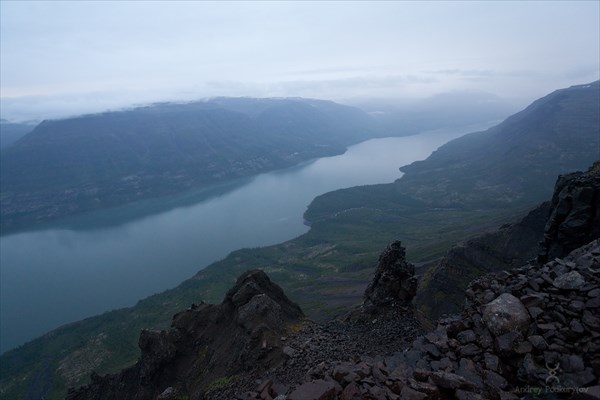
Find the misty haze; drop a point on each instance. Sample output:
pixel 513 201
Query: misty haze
pixel 283 200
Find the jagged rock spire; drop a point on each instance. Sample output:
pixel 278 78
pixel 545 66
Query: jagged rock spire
pixel 394 280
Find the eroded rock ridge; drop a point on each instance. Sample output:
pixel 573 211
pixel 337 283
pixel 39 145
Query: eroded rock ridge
pixel 205 343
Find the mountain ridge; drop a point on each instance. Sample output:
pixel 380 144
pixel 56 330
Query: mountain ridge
pixel 327 269
pixel 102 160
pixel 521 318
pixel 555 134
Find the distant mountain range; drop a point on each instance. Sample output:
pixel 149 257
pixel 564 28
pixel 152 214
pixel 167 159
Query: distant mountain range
pixel 457 192
pixel 78 164
pixel 516 161
pixel 451 109
pixel 513 164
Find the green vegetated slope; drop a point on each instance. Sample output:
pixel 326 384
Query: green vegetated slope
pixel 511 166
pixel 327 269
pixel 515 162
pixel 68 166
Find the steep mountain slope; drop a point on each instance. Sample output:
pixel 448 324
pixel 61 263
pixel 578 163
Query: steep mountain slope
pixel 516 161
pixel 522 319
pixel 510 166
pixel 441 289
pixel 569 221
pixel 78 164
pixel 444 109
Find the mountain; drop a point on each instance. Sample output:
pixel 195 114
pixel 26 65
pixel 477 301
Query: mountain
pixel 210 348
pixel 517 161
pixel 78 164
pixel 451 109
pixel 553 229
pixel 206 344
pixel 10 132
pixel 325 271
pixel 532 316
pixel 510 166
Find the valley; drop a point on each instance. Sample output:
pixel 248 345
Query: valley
pixel 326 269
pixel 76 267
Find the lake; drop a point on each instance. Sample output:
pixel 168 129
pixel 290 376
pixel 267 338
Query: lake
pixel 110 259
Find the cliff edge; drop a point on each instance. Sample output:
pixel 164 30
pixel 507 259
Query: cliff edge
pixel 205 343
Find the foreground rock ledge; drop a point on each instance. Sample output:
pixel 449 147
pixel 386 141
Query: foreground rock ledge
pixel 537 341
pixel 205 343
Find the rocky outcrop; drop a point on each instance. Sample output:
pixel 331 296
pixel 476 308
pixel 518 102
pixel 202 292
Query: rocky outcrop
pixel 526 333
pixel 522 335
pixel 575 213
pixel 569 221
pixel 206 344
pixel 441 290
pixel 394 280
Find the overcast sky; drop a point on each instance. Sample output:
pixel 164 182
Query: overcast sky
pixel 60 58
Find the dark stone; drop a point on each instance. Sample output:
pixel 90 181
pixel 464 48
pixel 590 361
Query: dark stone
pixel 532 300
pixel 438 338
pixel 579 379
pixel 206 343
pixel 467 336
pixel 523 348
pixel 590 393
pixel 470 370
pixel 569 281
pixel 469 350
pixel 492 362
pixel 538 342
pixel 315 390
pixel 450 380
pixel 432 350
pixel 505 344
pixel 529 371
pixel 591 321
pixel 505 314
pixel 410 394
pixel 394 280
pixel 351 392
pixel 495 380
pixel 464 395
pixel 574 220
pixel 576 326
pixel 535 312
pixel 572 363
pixel 593 302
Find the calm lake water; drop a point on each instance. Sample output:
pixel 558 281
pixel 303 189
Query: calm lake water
pixel 111 259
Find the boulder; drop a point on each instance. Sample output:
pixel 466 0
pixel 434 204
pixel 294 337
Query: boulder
pixel 505 314
pixel 569 281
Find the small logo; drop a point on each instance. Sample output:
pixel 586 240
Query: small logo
pixel 552 374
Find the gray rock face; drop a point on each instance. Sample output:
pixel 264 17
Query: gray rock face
pixel 505 314
pixel 510 246
pixel 575 213
pixel 394 280
pixel 569 281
